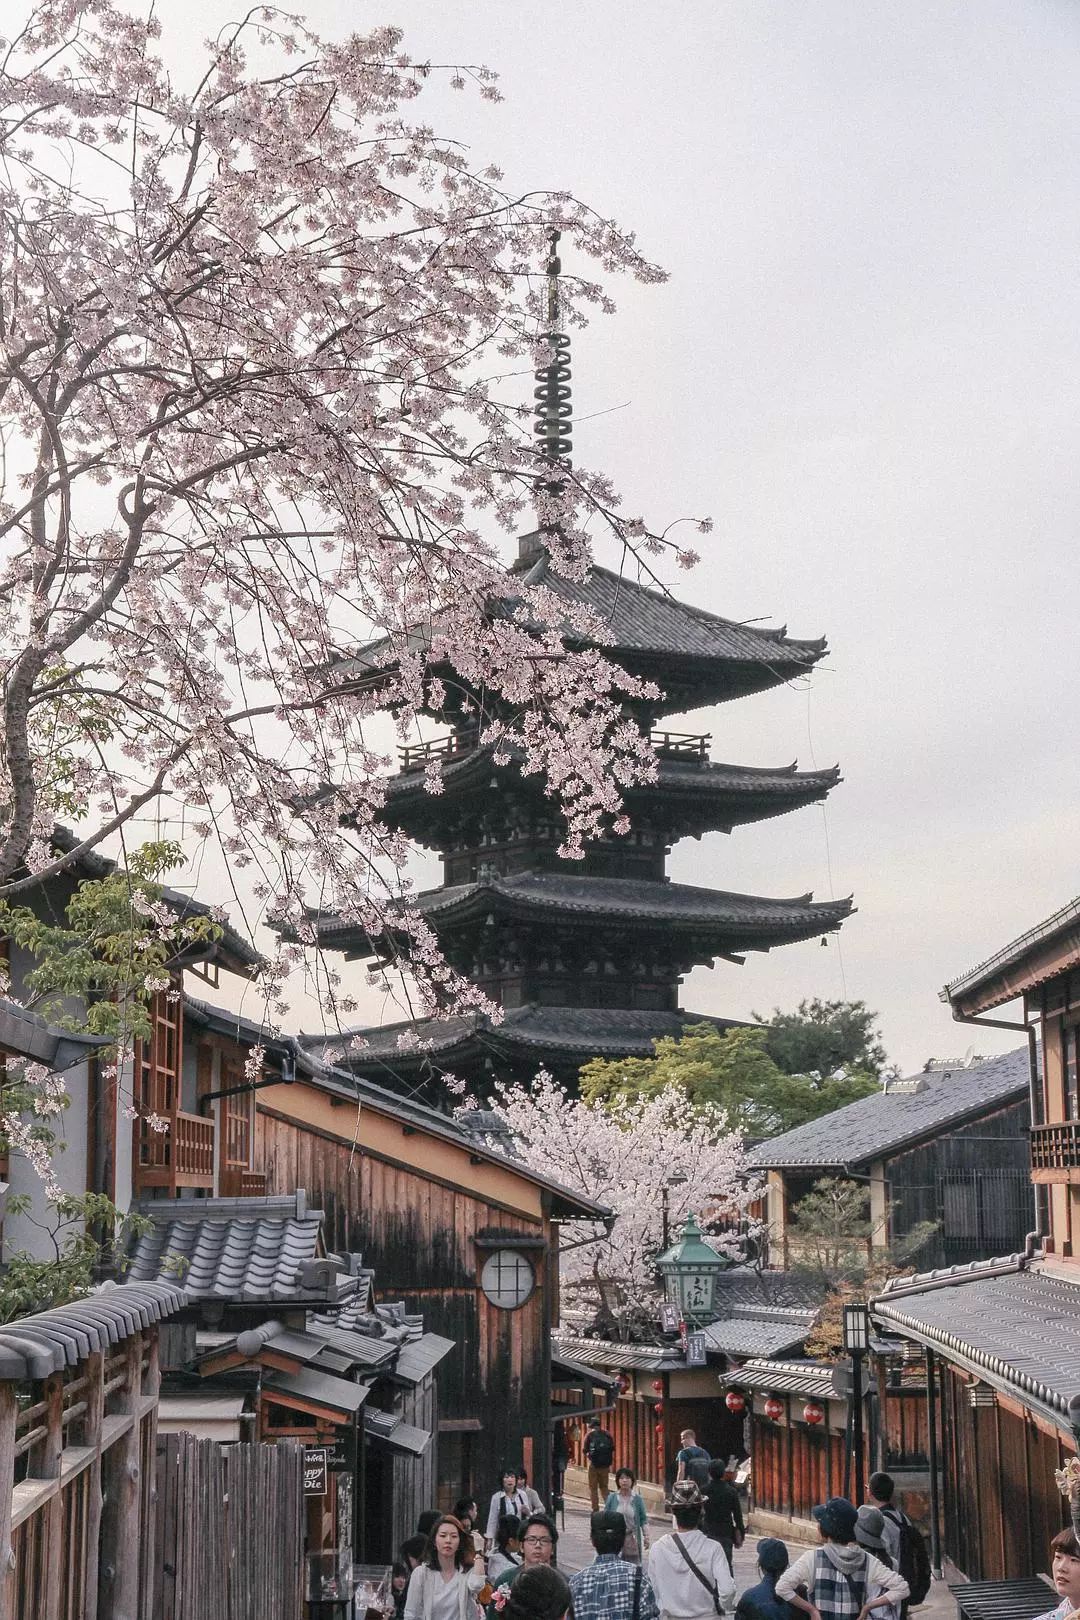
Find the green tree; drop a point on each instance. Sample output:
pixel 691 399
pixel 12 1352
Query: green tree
pixel 738 1070
pixel 825 1039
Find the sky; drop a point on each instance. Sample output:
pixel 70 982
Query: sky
pixel 865 366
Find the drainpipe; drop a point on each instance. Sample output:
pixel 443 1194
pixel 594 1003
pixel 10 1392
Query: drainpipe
pixel 1033 1239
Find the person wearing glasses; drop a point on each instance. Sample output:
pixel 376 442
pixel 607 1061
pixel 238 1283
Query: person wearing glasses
pixel 539 1539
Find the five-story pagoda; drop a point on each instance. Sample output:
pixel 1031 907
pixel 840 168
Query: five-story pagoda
pixel 584 958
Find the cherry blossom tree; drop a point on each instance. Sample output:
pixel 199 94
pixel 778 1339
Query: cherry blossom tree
pixel 265 345
pixel 624 1155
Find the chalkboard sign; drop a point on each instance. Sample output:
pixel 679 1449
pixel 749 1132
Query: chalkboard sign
pixel 316 1470
pixel 696 1350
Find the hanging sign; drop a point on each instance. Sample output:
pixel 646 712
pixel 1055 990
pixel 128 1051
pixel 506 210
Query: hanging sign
pixel 669 1318
pixel 342 1458
pixel 696 1351
pixel 316 1470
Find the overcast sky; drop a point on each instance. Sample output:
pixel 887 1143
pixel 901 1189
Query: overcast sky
pixel 866 368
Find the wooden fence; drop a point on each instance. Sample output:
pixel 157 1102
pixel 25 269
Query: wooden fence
pixel 229 1530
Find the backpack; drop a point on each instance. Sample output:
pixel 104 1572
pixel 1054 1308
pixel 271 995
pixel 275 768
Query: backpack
pixel 601 1449
pixel 913 1562
pixel 697 1469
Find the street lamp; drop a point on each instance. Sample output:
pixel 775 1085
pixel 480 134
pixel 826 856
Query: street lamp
pixel 857 1343
pixel 676 1179
pixel 690 1270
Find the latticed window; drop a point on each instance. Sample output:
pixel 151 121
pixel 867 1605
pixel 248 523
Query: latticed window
pixel 507 1278
pixel 157 1080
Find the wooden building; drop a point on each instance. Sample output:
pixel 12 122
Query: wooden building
pixel 948 1146
pixel 584 959
pixel 464 1237
pixel 1000 1339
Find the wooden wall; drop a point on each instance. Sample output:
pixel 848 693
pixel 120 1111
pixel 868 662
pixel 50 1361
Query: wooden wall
pixel 974 1182
pixel 494 1389
pixel 794 1465
pixel 1001 1505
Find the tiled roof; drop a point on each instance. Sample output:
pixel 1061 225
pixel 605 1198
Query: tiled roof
pixel 317 1389
pixel 27 1035
pixel 246 1250
pixel 1017 1328
pixel 604 1353
pixel 741 921
pixel 813 1380
pixel 748 1335
pixel 49 1341
pixel 421 1357
pixel 1064 922
pixel 745 1289
pixel 399 1436
pixel 881 1125
pixel 590 1031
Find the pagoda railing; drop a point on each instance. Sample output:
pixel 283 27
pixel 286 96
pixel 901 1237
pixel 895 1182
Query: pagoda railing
pixel 681 744
pixel 684 745
pixel 1055 1151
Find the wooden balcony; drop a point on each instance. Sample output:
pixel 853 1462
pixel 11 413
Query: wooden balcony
pixel 691 747
pixel 238 1182
pixel 1055 1152
pixel 180 1158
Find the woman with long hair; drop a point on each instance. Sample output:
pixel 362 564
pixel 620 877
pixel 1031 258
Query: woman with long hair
pixel 444 1585
pixel 539 1593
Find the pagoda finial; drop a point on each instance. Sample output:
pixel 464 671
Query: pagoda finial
pixel 554 411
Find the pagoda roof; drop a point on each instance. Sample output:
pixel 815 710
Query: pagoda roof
pixel 734 921
pixel 697 658
pixel 703 794
pixel 577 1033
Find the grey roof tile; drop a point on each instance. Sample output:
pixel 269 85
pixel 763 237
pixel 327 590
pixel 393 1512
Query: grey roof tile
pixel 813 1380
pixel 890 1120
pixel 758 1336
pixel 319 1388
pixel 422 1356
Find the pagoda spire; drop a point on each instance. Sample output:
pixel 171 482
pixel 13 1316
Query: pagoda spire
pixel 553 425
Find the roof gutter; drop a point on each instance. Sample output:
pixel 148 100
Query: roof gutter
pixel 1032 1240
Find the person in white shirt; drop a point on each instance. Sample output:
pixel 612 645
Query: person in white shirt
pixel 445 1585
pixel 842 1580
pixel 531 1496
pixel 689 1573
pixel 508 1502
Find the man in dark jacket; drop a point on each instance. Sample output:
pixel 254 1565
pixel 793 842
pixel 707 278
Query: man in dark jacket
pixel 599 1455
pixel 721 1517
pixel 760 1602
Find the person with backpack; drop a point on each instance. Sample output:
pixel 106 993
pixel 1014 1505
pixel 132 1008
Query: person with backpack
pixel 870 1534
pixel 599 1455
pixel 692 1461
pixel 690 1574
pixel 904 1544
pixel 841 1579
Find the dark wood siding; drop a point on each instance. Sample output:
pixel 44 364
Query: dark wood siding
pixel 974 1183
pixel 419 1236
pixel 795 1466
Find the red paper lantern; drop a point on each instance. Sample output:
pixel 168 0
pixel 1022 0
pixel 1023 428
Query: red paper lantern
pixel 813 1412
pixel 658 1409
pixel 735 1401
pixel 658 1386
pixel 773 1409
pixel 659 1429
pixel 622 1383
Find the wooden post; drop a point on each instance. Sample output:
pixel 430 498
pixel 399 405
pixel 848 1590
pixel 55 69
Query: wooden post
pixel 94 1368
pixel 8 1410
pixel 47 1466
pixel 151 1386
pixel 119 1584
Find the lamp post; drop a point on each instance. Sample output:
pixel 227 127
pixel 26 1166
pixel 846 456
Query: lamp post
pixel 690 1270
pixel 677 1179
pixel 857 1343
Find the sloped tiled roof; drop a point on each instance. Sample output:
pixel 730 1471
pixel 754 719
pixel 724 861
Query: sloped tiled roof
pixel 422 1356
pixel 749 1335
pixel 604 1353
pixel 813 1380
pixel 1018 1328
pixel 246 1250
pixel 1061 928
pixel 878 1126
pixel 738 921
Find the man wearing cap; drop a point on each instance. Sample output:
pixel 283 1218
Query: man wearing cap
pixel 871 1533
pixel 760 1602
pixel 608 1588
pixel 690 1574
pixel 843 1581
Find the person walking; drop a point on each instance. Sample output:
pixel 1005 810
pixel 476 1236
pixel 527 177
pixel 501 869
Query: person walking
pixel 609 1588
pixel 532 1498
pixel 599 1455
pixel 1065 1574
pixel 870 1535
pixel 539 1539
pixel 721 1517
pixel 541 1594
pixel 466 1513
pixel 505 1556
pixel 760 1602
pixel 507 1502
pixel 905 1544
pixel 444 1585
pixel 628 1502
pixel 690 1574
pixel 691 1460
pixel 838 1576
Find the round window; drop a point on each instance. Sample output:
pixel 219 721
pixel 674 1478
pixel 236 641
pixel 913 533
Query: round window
pixel 507 1278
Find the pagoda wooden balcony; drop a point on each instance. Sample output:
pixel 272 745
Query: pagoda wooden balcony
pixel 1055 1152
pixel 684 745
pixel 180 1158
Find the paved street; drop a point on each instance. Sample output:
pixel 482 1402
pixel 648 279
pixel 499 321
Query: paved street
pixel 575 1551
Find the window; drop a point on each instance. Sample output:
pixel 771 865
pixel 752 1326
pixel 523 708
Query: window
pixel 507 1279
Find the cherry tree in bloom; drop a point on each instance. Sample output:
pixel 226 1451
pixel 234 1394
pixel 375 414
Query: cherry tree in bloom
pixel 623 1155
pixel 266 345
